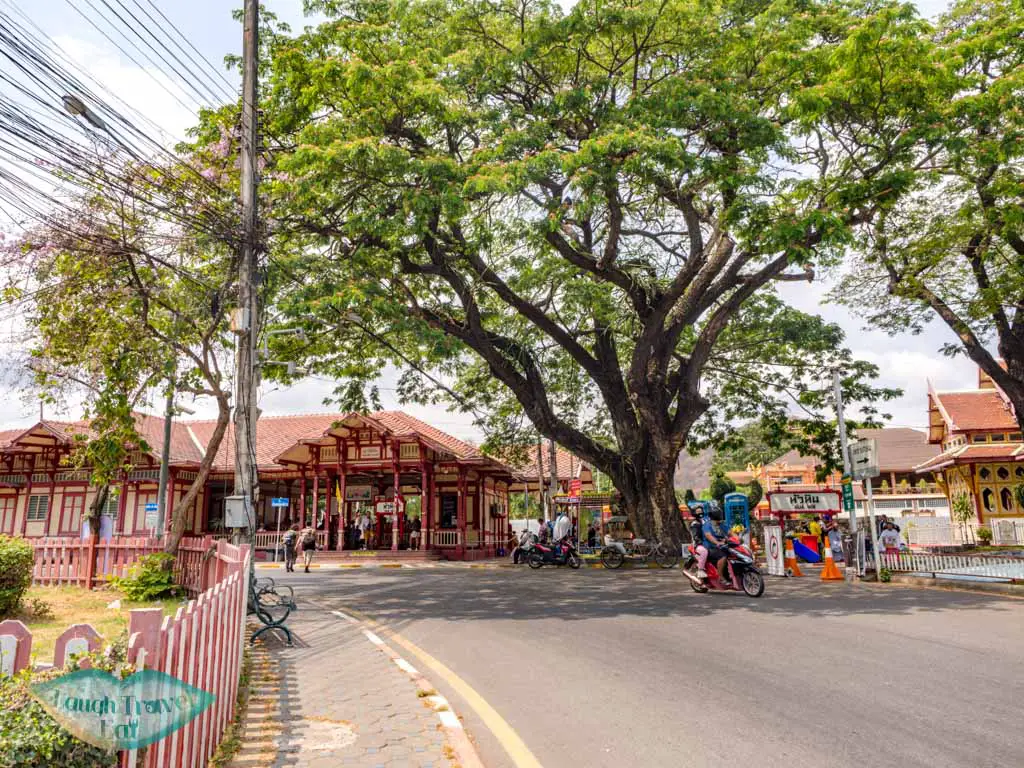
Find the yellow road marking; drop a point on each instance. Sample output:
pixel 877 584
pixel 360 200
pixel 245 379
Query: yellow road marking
pixel 516 748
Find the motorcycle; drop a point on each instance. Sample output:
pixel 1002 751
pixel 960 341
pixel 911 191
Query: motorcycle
pixel 563 553
pixel 741 568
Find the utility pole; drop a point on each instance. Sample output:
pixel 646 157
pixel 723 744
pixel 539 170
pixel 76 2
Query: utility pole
pixel 844 447
pixel 246 323
pixel 165 458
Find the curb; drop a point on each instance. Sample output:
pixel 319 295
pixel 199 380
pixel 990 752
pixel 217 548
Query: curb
pixel 466 755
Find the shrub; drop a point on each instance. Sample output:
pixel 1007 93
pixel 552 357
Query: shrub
pixel 29 737
pixel 984 534
pixel 885 575
pixel 16 560
pixel 150 578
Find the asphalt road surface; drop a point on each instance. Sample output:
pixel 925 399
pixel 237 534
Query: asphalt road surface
pixel 593 668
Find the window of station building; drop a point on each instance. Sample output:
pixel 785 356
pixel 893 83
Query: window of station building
pixel 987 499
pixel 38 506
pixel 1003 473
pixel 1019 471
pixel 978 438
pixel 1006 499
pixel 984 473
pixel 1016 437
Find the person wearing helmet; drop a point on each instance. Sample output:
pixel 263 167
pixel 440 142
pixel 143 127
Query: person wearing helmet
pixel 715 535
pixel 697 534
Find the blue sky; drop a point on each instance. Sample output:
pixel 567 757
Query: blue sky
pixel 905 361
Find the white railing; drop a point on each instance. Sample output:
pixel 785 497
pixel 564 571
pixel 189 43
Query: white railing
pixel 936 531
pixel 272 539
pixel 445 538
pixel 960 565
pixel 1007 531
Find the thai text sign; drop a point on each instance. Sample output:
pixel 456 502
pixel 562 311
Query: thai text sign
pixel 810 501
pixel 102 710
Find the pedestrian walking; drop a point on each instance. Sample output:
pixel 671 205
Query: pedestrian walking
pixel 363 525
pixel 307 540
pixel 290 540
pixel 414 533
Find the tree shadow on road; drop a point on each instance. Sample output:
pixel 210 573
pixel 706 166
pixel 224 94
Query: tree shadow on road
pixel 402 596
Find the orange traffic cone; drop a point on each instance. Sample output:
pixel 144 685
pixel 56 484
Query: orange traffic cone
pixel 830 572
pixel 792 569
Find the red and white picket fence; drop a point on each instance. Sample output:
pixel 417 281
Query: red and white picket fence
pixel 201 644
pixel 90 563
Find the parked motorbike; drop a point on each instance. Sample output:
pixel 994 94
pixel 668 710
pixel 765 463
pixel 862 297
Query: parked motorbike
pixel 563 553
pixel 740 566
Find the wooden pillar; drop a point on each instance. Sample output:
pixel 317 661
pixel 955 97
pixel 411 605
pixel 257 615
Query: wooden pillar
pixel 397 483
pixel 316 486
pixel 302 500
pixel 169 508
pixel 461 508
pixel 53 498
pixel 424 501
pixel 342 458
pixel 28 495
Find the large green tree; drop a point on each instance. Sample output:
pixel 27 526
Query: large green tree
pixel 583 213
pixel 952 246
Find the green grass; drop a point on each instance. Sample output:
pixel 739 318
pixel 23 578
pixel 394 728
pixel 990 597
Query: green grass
pixel 75 605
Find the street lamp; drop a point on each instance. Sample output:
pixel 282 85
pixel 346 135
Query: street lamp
pixel 77 108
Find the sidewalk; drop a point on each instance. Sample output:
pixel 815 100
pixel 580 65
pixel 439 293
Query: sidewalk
pixel 336 700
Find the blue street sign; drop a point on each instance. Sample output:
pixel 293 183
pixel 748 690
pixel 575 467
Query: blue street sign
pixel 279 502
pixel 151 507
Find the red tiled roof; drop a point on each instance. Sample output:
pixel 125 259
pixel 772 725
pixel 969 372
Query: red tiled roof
pixel 402 424
pixel 566 464
pixel 983 409
pixel 970 453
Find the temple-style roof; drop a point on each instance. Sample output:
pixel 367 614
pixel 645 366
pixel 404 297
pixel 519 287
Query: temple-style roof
pixel 966 454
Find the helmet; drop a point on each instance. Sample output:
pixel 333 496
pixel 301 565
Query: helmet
pixel 716 512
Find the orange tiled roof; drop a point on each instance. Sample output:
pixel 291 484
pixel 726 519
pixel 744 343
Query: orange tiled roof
pixel 969 453
pixel 983 409
pixel 566 464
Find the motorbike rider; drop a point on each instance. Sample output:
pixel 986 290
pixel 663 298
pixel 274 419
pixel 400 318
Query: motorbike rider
pixel 715 538
pixel 697 534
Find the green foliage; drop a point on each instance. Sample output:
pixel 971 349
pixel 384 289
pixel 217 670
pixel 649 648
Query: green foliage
pixel 961 508
pixel 16 561
pixel 524 507
pixel 750 444
pixel 1018 492
pixel 950 244
pixel 754 493
pixel 885 575
pixel 30 738
pixel 720 486
pixel 151 577
pixel 984 534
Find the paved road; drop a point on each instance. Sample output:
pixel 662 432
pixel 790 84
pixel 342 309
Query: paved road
pixel 634 669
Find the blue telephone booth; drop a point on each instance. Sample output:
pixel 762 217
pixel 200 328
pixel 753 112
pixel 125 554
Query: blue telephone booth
pixel 737 510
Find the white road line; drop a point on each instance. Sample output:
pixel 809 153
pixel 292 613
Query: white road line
pixel 405 666
pixel 448 719
pixel 372 637
pixel 346 617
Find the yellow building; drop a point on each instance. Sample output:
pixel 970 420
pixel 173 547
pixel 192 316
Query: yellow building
pixel 982 449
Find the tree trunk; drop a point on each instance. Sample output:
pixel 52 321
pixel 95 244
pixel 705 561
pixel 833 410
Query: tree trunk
pixel 180 510
pixel 552 473
pixel 649 496
pixel 96 508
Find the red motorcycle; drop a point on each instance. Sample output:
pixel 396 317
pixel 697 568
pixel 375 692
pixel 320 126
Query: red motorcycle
pixel 742 570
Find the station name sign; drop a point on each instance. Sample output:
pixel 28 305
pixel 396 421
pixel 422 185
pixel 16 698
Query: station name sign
pixel 808 501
